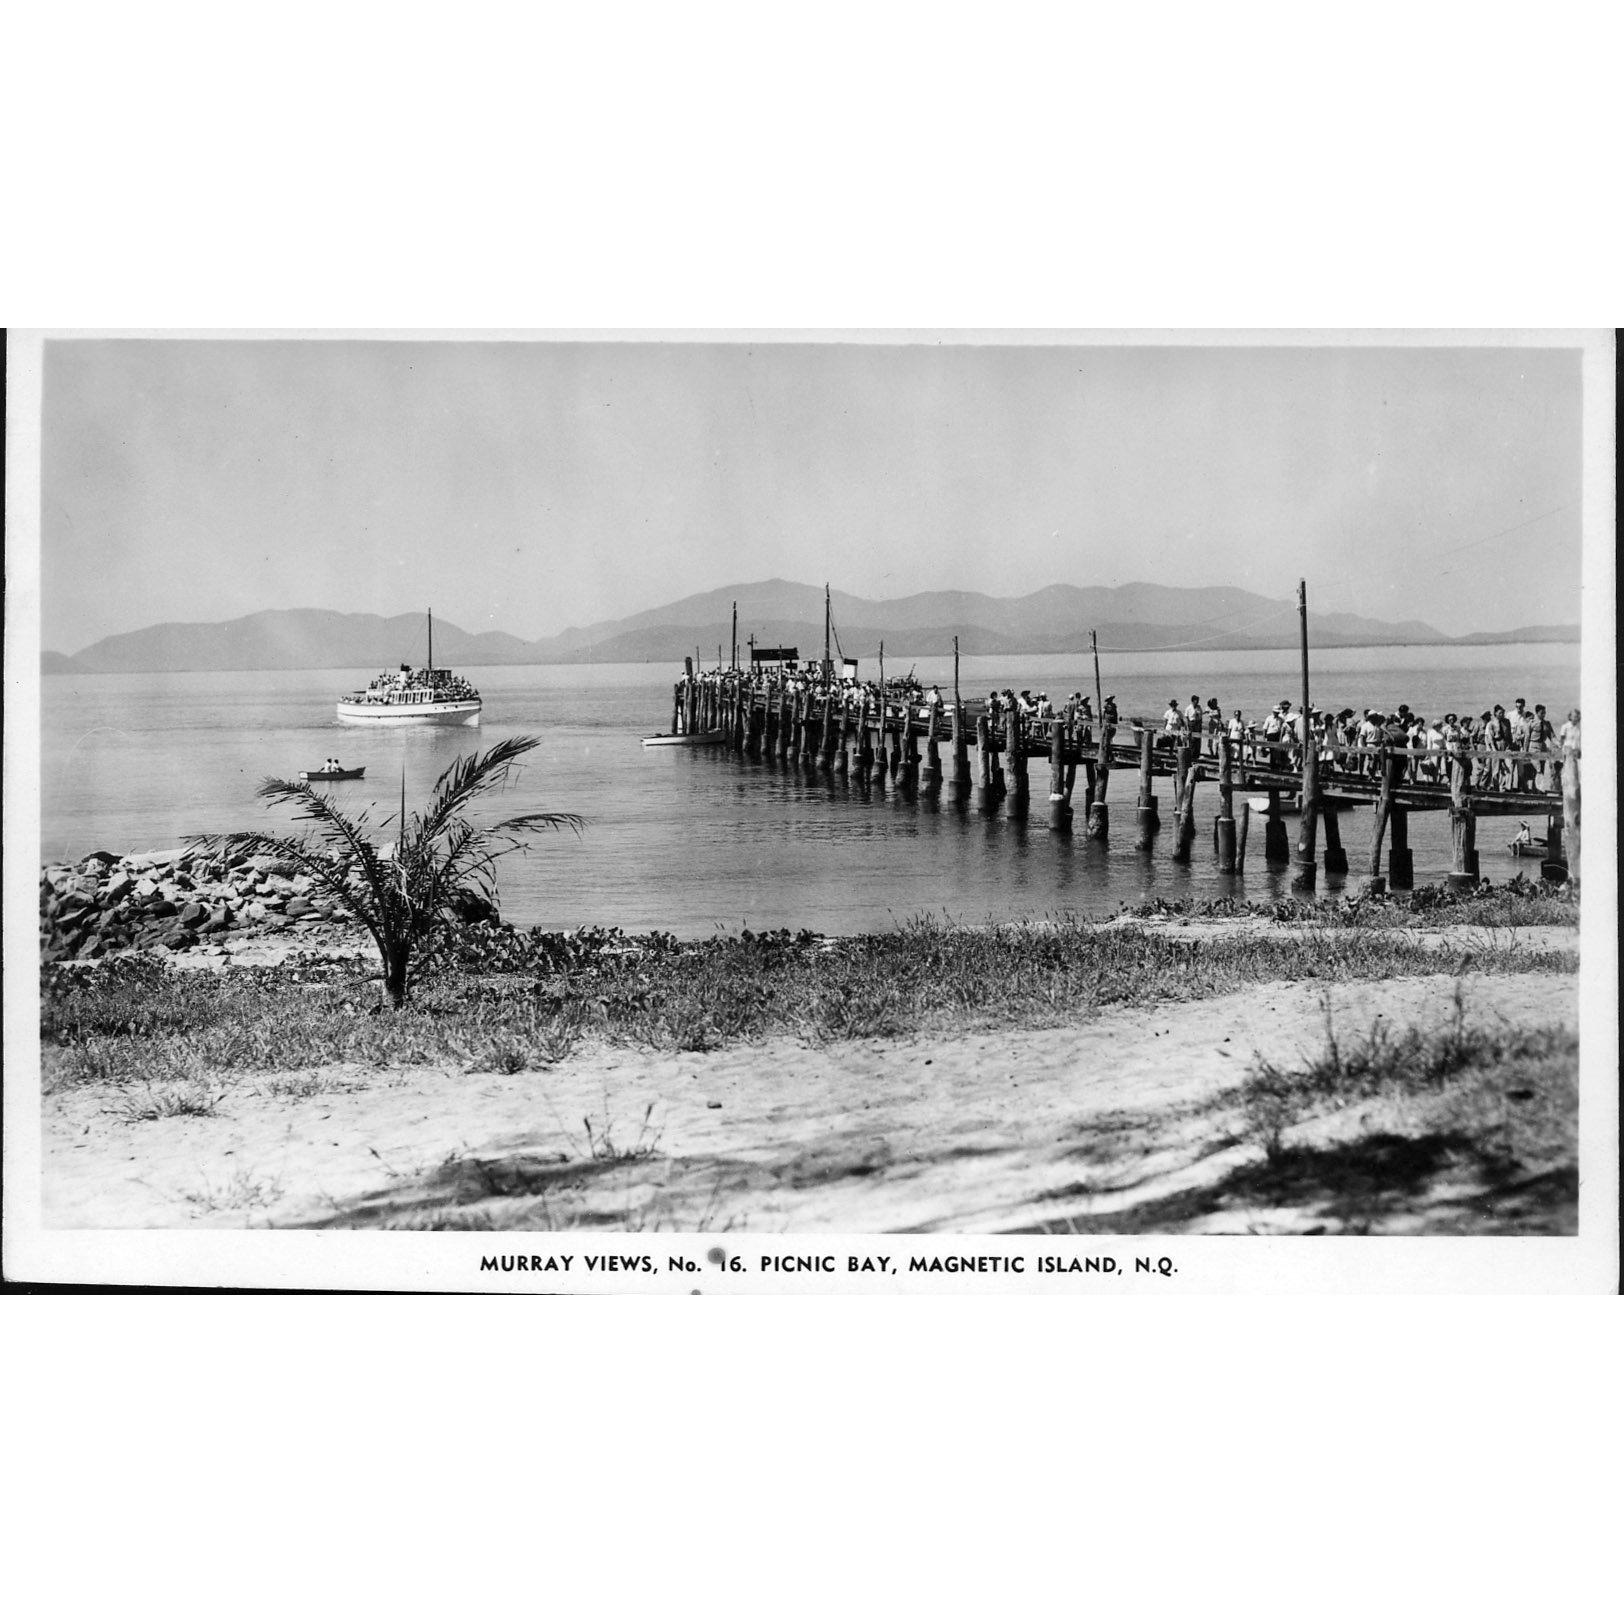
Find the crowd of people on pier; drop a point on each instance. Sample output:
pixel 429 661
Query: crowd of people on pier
pixel 1515 750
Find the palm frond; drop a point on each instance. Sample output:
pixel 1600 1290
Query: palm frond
pixel 469 777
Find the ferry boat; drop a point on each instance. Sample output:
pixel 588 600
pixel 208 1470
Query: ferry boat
pixel 427 694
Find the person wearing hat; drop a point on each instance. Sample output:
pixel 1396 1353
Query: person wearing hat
pixel 1273 726
pixel 1172 718
pixel 1108 716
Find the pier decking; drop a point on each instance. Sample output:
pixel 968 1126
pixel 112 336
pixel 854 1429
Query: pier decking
pixel 974 754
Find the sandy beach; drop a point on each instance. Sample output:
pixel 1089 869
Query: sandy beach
pixel 1132 1122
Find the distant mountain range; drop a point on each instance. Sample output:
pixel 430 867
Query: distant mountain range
pixel 1056 620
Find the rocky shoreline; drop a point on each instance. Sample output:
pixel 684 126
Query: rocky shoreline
pixel 179 902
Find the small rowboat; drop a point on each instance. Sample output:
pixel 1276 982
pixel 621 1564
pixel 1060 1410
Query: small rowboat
pixel 326 775
pixel 716 735
pixel 1527 848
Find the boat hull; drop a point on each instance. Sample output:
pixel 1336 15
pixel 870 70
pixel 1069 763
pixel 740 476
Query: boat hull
pixel 715 736
pixel 438 713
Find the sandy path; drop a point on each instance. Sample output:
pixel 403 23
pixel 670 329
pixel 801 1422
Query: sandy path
pixel 1099 1126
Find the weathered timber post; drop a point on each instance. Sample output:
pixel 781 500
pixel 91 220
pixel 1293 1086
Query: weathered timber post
pixel 797 737
pixel 1400 859
pixel 842 739
pixel 1099 814
pixel 1336 859
pixel 1553 866
pixel 1570 808
pixel 1145 813
pixel 1225 826
pixel 1059 796
pixel 882 749
pixel 1387 769
pixel 1461 831
pixel 785 724
pixel 826 733
pixel 1189 761
pixel 907 746
pixel 931 778
pixel 984 787
pixel 865 750
pixel 1245 826
pixel 1015 773
pixel 1276 847
pixel 1305 866
pixel 961 755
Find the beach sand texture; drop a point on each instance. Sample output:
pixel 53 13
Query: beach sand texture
pixel 1132 1123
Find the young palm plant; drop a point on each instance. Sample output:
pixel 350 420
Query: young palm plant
pixel 407 895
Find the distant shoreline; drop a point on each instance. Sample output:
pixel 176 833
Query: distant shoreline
pixel 53 664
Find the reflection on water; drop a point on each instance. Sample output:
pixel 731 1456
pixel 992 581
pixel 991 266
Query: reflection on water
pixel 694 840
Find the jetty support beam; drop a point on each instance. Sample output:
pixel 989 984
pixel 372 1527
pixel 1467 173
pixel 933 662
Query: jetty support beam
pixel 1059 793
pixel 1224 828
pixel 1145 813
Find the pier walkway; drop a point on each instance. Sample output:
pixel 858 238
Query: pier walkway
pixel 976 752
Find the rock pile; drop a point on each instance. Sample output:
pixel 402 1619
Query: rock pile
pixel 170 900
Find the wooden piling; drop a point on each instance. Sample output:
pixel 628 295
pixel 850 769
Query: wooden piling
pixel 1387 770
pixel 1570 809
pixel 985 796
pixel 1461 831
pixel 1145 812
pixel 1400 859
pixel 1190 772
pixel 1244 828
pixel 865 750
pixel 797 737
pixel 1276 847
pixel 961 754
pixel 1015 774
pixel 1336 859
pixel 1553 866
pixel 1225 825
pixel 1305 866
pixel 1059 796
pixel 930 780
pixel 1099 814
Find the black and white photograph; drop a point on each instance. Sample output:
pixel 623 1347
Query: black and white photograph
pixel 1016 799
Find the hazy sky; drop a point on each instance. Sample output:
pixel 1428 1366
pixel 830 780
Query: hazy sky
pixel 528 486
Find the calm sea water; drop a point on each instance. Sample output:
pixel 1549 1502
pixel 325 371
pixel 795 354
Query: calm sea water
pixel 693 841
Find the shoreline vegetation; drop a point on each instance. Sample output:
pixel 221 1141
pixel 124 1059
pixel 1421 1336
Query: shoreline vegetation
pixel 1361 1064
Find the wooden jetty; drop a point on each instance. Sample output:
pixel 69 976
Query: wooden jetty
pixel 974 754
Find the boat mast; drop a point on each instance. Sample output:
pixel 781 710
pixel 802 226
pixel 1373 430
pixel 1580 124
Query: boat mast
pixel 431 640
pixel 826 665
